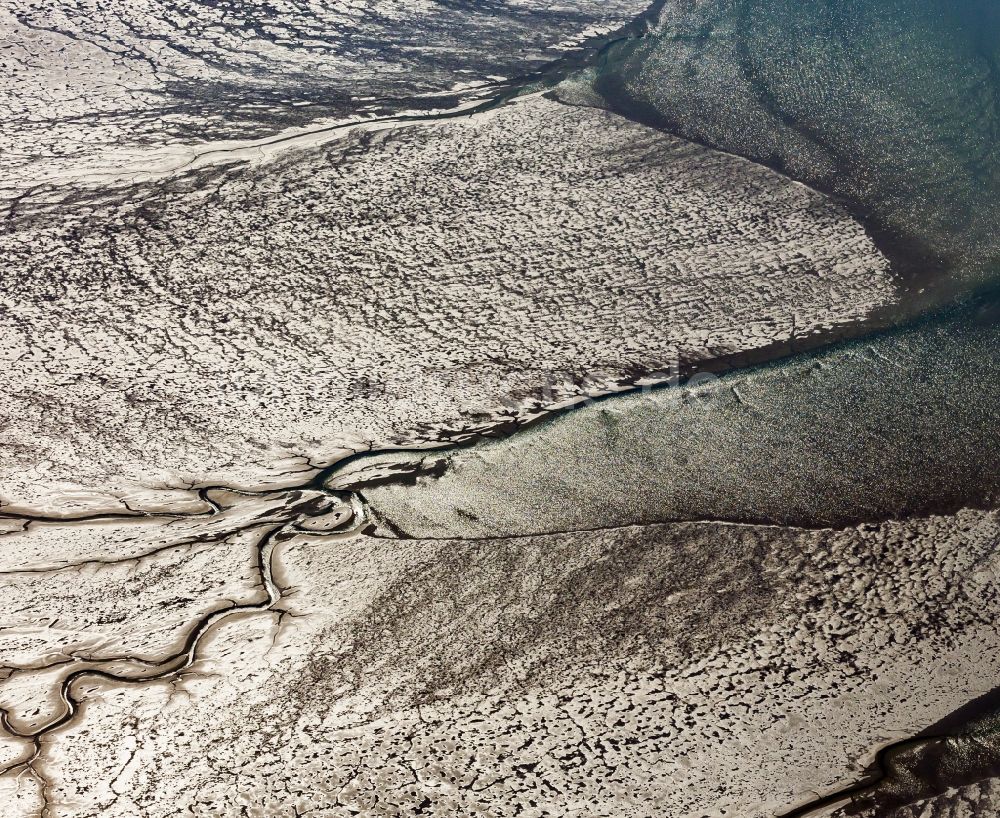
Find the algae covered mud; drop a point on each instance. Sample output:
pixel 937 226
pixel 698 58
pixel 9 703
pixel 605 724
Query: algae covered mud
pixel 308 506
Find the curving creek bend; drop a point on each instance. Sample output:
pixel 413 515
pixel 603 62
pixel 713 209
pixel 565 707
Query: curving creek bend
pixel 342 502
pixel 330 504
pixel 311 510
pixel 331 515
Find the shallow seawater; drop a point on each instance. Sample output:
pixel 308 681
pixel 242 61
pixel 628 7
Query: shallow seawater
pixel 901 424
pixel 896 425
pixel 893 105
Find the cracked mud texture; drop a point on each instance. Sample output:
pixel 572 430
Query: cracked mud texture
pixel 99 593
pixel 240 323
pixel 228 261
pixel 89 84
pixel 603 673
pixel 126 628
pixel 899 424
pixel 949 768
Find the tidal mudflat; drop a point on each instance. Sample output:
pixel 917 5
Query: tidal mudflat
pixel 499 409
